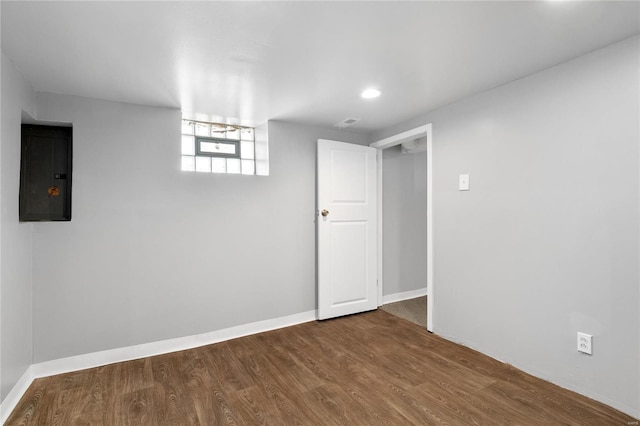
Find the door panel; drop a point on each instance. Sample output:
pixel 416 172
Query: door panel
pixel 347 252
pixel 348 181
pixel 348 273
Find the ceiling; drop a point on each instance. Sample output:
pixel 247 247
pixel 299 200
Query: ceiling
pixel 306 62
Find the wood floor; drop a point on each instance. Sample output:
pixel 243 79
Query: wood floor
pixel 366 369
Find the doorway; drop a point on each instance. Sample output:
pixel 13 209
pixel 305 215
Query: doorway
pixel 419 138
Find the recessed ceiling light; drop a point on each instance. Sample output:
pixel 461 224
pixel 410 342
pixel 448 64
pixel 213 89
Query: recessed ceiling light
pixel 370 93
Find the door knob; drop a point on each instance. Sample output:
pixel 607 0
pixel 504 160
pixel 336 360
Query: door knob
pixel 324 213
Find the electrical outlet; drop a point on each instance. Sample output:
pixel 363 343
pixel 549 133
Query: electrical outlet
pixel 585 343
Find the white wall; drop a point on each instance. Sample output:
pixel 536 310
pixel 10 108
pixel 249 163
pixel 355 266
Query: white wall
pixel 404 225
pixel 546 243
pixel 153 253
pixel 15 248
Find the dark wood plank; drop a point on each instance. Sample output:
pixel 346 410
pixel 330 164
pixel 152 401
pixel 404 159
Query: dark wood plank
pixel 366 369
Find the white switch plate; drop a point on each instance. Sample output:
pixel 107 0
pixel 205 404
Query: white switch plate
pixel 463 183
pixel 585 343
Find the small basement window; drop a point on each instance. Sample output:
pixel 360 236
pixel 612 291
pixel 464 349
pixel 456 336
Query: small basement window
pixel 218 148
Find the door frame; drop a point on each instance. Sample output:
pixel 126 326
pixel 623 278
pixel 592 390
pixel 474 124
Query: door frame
pixel 424 131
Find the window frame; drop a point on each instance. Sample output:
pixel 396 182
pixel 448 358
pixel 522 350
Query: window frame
pixel 200 153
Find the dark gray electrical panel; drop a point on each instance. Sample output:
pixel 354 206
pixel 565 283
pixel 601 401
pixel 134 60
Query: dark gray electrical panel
pixel 45 173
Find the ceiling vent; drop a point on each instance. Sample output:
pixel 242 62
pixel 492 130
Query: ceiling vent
pixel 346 123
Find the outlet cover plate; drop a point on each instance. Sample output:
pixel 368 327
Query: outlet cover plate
pixel 463 182
pixel 585 343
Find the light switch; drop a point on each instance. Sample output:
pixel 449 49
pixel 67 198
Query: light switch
pixel 463 183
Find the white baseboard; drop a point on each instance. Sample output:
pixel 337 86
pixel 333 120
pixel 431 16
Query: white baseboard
pixel 398 297
pixel 14 395
pixel 97 359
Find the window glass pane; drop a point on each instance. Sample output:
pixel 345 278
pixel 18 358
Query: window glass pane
pixel 187 127
pixel 233 133
pixel 203 164
pixel 188 163
pixel 246 134
pixel 218 165
pixel 248 167
pixel 233 165
pixel 188 145
pixel 247 150
pixel 218 147
pixel 203 129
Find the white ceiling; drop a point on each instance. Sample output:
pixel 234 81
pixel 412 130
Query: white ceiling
pixel 307 62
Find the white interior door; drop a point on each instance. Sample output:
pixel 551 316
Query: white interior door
pixel 347 230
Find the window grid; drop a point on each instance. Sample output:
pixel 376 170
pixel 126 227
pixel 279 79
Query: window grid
pixel 194 132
